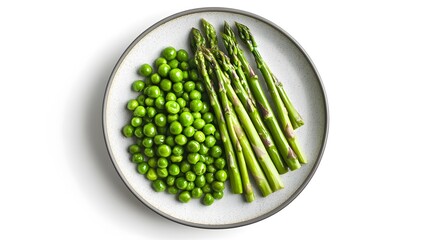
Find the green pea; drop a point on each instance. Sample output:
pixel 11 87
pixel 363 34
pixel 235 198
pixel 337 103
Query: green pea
pixel 162 172
pixel 196 115
pixel 162 130
pixel 174 158
pixel 151 174
pixel 149 152
pixel 199 168
pixel 184 66
pixel 159 185
pixel 181 183
pixel 165 84
pixel 176 75
pixel 145 70
pixel 132 104
pixel 150 112
pixel 169 53
pixel 172 190
pixel 137 158
pixel 182 55
pixel 179 94
pixel 217 135
pixel 193 75
pixel 185 96
pixel 210 141
pixel 205 109
pixel 208 117
pixel 173 169
pixel 193 158
pixel 134 148
pixel 160 61
pixel 208 199
pixel 184 197
pixel 180 139
pixel 172 107
pixel 153 92
pixel 149 102
pixel 189 131
pixel 138 132
pixel 206 188
pixel 216 151
pixel 209 177
pixel 142 168
pixel 190 176
pixel 162 162
pixel 141 100
pixel 221 175
pixel 200 180
pixel 203 149
pixel 149 130
pixel 136 121
pixel 170 141
pixel 193 146
pixel 160 102
pixel 155 78
pixel 153 163
pixel 185 166
pixel 170 179
pixel 189 86
pixel 196 105
pixel 186 119
pixel 164 150
pixel 160 120
pixel 174 63
pixel 195 94
pixel 211 168
pixel 190 186
pixel 138 86
pixel 164 69
pixel 209 129
pixel 218 186
pixel 197 193
pixel 181 102
pixel 139 111
pixel 159 139
pixel 199 87
pixel 170 97
pixel 220 163
pixel 199 136
pixel 172 117
pixel 199 123
pixel 128 130
pixel 147 142
pixel 178 150
pixel 176 128
pixel 217 195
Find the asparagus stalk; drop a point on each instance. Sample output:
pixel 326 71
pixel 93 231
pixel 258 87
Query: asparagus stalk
pixel 247 187
pixel 266 111
pixel 253 112
pixel 286 124
pixel 234 173
pixel 250 160
pixel 267 165
pixel 210 34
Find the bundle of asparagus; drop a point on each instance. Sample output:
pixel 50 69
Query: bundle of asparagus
pixel 255 139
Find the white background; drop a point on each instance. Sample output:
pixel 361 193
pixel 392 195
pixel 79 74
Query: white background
pixel 56 178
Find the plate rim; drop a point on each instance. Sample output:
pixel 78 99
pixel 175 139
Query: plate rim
pixel 234 11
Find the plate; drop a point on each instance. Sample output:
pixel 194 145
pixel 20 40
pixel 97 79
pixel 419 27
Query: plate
pixel 287 60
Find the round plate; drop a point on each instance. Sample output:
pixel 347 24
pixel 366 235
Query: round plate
pixel 286 59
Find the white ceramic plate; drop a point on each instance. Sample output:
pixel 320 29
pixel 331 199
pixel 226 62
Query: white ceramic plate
pixel 286 59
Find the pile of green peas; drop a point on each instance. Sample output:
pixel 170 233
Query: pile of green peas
pixel 177 145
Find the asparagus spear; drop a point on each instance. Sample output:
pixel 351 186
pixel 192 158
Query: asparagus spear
pixel 234 173
pixel 267 165
pixel 210 34
pixel 266 111
pixel 253 112
pixel 250 160
pixel 286 124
